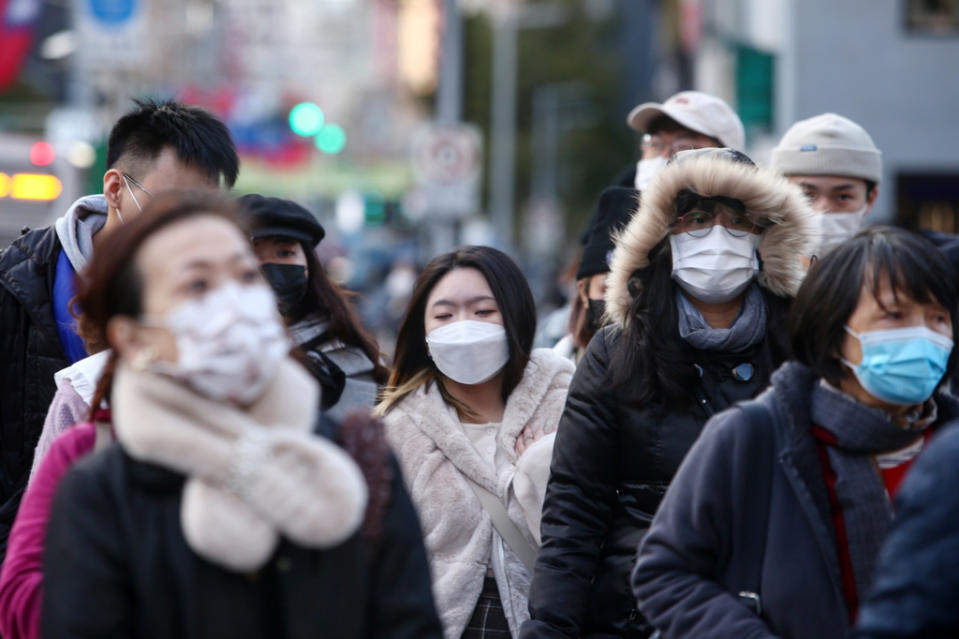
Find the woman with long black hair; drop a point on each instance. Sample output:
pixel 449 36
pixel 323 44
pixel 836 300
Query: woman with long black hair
pixel 320 316
pixel 470 411
pixel 699 284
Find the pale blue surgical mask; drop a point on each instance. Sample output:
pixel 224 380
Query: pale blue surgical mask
pixel 901 365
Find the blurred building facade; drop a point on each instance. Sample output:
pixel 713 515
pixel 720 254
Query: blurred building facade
pixel 887 64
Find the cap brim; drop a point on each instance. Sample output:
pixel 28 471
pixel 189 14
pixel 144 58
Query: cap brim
pixel 640 117
pixel 277 231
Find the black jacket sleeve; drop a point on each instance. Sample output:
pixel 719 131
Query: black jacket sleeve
pixel 86 589
pixel 916 588
pixel 579 501
pixel 677 571
pixel 402 598
pixel 13 471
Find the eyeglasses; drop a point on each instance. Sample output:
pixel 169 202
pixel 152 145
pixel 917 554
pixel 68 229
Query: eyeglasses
pixel 128 180
pixel 659 146
pixel 699 223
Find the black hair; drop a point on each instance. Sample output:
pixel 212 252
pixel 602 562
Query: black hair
pixel 516 305
pixel 831 290
pixel 345 324
pixel 651 357
pixel 198 137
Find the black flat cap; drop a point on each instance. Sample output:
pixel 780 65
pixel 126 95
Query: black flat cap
pixel 276 217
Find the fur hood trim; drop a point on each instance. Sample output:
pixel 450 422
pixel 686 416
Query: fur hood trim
pixel 766 196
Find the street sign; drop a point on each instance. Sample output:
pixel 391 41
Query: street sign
pixel 111 34
pixel 447 165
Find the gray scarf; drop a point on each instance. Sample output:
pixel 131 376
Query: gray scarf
pixel 747 329
pixel 309 328
pixel 860 432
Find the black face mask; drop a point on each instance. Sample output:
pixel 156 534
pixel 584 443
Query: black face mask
pixel 289 282
pixel 594 314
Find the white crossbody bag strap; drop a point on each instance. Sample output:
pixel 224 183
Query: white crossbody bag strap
pixel 504 525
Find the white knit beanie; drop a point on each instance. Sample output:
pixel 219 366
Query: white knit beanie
pixel 828 144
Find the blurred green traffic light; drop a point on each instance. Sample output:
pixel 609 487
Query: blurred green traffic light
pixel 306 119
pixel 331 139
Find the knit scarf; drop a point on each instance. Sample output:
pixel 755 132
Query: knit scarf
pixel 254 474
pixel 747 329
pixel 852 434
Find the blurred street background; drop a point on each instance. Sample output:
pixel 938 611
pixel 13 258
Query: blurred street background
pixel 412 126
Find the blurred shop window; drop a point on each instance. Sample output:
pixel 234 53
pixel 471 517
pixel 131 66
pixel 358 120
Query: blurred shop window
pixel 932 16
pixel 928 201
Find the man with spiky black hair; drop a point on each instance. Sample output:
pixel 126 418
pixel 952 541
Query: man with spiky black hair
pixel 159 146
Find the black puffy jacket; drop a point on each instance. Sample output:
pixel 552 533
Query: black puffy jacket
pixel 615 454
pixel 613 459
pixel 30 353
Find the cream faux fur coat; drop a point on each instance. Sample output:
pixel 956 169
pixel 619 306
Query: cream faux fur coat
pixel 435 454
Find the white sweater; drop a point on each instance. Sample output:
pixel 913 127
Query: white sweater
pixel 435 452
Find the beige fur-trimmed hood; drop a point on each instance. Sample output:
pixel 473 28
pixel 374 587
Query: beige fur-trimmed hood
pixel 713 172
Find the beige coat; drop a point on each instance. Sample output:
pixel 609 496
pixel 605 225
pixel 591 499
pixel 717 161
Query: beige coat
pixel 435 454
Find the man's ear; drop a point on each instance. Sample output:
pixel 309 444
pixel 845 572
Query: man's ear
pixel 112 185
pixel 871 198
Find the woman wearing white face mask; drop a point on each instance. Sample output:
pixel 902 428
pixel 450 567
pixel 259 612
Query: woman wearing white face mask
pixel 469 412
pixel 698 289
pixel 217 507
pixel 773 524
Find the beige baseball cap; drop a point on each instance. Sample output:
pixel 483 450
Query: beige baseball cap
pixel 697 111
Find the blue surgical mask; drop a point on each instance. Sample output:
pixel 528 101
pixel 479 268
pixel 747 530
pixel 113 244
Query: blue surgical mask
pixel 901 365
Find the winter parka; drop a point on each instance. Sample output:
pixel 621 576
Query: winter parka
pixel 695 559
pixel 30 354
pixel 616 454
pixel 138 577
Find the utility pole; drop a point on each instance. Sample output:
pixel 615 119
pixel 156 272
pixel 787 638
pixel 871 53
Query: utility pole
pixel 449 94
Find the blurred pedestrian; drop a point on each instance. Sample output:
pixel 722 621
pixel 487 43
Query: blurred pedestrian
pixel 616 205
pixel 699 284
pixel 343 357
pixel 915 592
pixel 155 147
pixel 773 523
pixel 218 513
pixel 687 120
pixel 470 410
pixel 838 167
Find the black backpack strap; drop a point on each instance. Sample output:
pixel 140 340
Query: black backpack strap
pixel 746 578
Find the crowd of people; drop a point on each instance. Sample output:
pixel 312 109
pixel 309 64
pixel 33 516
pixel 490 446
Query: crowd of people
pixel 199 438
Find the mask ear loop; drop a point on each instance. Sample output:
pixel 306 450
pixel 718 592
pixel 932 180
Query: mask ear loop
pixel 845 361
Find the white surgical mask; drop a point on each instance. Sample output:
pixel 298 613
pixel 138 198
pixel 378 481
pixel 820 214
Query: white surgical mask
pixel 469 352
pixel 717 267
pixel 229 342
pixel 647 169
pixel 836 228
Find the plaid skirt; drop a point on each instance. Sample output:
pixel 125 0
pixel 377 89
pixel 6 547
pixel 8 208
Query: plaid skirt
pixel 488 620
